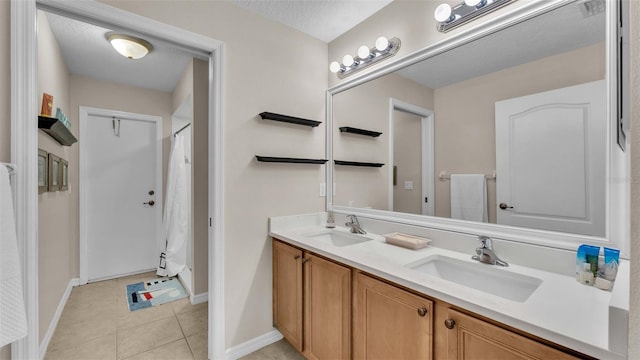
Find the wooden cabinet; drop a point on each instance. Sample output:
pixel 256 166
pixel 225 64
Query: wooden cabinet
pixel 472 338
pixel 287 292
pixel 390 323
pixel 313 308
pixel 303 282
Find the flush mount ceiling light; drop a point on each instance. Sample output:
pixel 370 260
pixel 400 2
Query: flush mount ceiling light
pixel 129 46
pixel 449 17
pixel 366 56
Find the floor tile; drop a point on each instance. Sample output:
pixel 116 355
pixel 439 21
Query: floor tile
pixel 127 319
pixel 139 339
pixel 177 350
pixel 70 334
pixel 184 305
pixel 199 346
pixel 193 322
pixel 281 350
pixel 102 348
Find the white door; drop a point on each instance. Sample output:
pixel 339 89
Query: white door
pixel 550 160
pixel 122 193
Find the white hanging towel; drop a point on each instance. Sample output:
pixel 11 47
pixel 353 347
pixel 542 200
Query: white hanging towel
pixel 176 212
pixel 13 320
pixel 469 197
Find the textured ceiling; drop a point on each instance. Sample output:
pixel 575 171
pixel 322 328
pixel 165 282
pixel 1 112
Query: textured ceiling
pixel 323 19
pixel 87 52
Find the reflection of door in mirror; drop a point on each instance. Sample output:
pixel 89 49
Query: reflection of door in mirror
pixel 552 142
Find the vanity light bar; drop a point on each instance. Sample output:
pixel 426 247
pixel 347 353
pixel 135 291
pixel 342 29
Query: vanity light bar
pixel 449 18
pixel 382 49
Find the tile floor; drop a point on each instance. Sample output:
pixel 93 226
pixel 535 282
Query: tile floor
pixel 96 324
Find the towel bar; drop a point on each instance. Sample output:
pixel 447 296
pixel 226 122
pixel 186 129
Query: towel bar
pixel 444 176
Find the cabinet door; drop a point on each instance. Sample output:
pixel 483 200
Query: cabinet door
pixel 471 338
pixel 327 328
pixel 390 323
pixel 287 292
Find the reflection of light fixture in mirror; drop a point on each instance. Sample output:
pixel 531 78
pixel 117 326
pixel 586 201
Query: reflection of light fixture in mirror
pixel 449 17
pixel 129 46
pixel 382 49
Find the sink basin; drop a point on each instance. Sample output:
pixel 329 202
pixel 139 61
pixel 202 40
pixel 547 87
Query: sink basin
pixel 338 238
pixel 478 276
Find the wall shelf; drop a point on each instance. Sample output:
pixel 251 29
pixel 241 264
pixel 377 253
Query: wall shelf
pixel 352 130
pixel 358 163
pixel 273 159
pixel 56 129
pixel 289 119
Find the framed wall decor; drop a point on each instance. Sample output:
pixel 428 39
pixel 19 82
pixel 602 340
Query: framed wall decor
pixel 43 171
pixel 64 175
pixel 54 172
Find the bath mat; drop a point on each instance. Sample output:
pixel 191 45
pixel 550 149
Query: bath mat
pixel 145 294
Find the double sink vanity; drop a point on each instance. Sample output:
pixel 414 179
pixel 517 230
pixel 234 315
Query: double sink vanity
pixel 342 295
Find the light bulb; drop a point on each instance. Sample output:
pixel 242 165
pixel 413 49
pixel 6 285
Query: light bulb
pixel 442 13
pixel 363 52
pixel 475 3
pixel 334 67
pixel 347 60
pixel 382 43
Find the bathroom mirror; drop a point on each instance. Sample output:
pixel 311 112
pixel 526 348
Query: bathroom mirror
pixel 528 106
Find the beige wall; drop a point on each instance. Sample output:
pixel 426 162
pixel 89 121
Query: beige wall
pixel 57 211
pixel 367 107
pixel 199 179
pixel 184 87
pixel 465 113
pixel 268 67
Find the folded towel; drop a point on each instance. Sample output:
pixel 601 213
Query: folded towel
pixel 13 320
pixel 469 197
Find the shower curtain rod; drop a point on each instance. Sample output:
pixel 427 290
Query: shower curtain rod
pixel 179 131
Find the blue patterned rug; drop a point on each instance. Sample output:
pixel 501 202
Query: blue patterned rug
pixel 154 292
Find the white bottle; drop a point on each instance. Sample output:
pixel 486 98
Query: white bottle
pixel 586 276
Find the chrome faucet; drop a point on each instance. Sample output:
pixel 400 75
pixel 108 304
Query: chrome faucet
pixel 355 225
pixel 485 253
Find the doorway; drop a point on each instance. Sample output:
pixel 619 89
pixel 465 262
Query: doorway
pixel 25 146
pixel 411 163
pixel 119 230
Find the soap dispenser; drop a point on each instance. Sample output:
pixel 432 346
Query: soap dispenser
pixel 331 223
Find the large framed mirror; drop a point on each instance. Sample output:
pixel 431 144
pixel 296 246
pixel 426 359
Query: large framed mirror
pixel 508 130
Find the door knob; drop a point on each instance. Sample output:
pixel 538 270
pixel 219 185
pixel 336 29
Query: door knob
pixel 449 323
pixel 422 311
pixel 150 203
pixel 504 206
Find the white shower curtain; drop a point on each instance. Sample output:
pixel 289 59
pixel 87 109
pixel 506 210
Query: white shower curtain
pixel 175 222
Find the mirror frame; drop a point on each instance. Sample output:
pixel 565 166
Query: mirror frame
pixel 617 177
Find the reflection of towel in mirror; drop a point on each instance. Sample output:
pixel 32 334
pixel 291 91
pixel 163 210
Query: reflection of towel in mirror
pixel 469 197
pixel 13 321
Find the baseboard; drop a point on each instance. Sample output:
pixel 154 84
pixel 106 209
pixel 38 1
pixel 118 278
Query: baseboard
pixel 252 345
pixel 185 279
pixel 56 317
pixel 199 298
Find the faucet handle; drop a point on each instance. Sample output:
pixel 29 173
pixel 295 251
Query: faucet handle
pixel 485 242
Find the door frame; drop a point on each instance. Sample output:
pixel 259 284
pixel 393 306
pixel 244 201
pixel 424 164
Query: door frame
pixel 83 115
pixel 24 148
pixel 427 147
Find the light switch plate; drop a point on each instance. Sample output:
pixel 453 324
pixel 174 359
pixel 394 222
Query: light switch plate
pixel 408 185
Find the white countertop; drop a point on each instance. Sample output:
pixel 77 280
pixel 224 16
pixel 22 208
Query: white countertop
pixel 560 310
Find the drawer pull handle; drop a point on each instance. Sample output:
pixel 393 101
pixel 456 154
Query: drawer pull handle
pixel 296 257
pixel 449 323
pixel 422 311
pixel 304 261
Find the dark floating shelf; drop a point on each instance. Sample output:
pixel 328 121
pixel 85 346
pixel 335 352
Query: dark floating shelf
pixel 56 129
pixel 357 163
pixel 289 119
pixel 353 130
pixel 289 160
